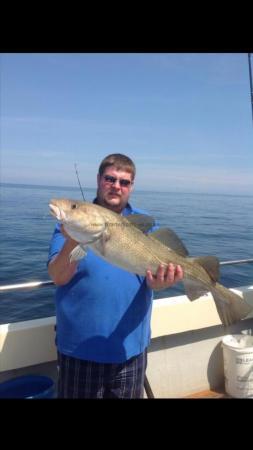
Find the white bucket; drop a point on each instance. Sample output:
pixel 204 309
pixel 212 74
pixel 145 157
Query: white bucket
pixel 238 365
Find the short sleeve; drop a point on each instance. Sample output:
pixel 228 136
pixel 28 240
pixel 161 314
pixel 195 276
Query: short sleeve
pixel 56 243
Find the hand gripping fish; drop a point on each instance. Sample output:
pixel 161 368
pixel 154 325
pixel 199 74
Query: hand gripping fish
pixel 123 242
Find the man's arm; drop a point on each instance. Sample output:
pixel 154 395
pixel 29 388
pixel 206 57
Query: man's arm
pixel 60 269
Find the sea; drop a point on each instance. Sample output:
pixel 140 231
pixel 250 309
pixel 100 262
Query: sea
pixel 208 224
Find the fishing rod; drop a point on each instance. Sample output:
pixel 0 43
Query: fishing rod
pixel 251 84
pixel 79 182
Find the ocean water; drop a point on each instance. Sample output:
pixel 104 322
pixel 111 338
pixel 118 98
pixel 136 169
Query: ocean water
pixel 219 225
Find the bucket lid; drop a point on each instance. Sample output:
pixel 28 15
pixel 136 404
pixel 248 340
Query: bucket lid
pixel 238 342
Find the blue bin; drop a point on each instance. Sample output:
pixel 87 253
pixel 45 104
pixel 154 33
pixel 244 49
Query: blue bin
pixel 28 386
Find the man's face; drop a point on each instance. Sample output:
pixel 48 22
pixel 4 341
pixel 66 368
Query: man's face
pixel 114 188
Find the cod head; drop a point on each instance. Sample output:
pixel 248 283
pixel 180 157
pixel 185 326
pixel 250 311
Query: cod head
pixel 81 220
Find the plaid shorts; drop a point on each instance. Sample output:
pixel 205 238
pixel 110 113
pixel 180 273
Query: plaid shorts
pixel 78 378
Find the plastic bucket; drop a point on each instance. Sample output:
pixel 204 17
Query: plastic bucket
pixel 238 365
pixel 28 386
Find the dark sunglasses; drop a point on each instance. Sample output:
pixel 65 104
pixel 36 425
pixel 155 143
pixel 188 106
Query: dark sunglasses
pixel 112 180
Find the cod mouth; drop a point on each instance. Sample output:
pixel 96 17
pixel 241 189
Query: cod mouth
pixel 57 212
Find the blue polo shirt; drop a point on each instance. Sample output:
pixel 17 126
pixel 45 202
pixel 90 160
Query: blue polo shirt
pixel 103 313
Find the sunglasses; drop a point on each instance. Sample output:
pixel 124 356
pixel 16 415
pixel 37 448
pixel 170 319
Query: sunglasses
pixel 112 180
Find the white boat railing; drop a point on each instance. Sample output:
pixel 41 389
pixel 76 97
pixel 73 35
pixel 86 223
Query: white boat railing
pixel 31 284
pixel 35 284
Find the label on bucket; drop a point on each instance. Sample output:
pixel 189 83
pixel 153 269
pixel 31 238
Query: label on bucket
pixel 245 378
pixel 245 359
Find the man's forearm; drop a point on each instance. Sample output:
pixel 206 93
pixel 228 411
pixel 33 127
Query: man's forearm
pixel 60 269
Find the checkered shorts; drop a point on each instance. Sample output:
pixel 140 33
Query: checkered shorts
pixel 87 379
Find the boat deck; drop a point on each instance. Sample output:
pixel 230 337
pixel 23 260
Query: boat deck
pixel 218 393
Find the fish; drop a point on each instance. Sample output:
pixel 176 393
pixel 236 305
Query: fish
pixel 125 241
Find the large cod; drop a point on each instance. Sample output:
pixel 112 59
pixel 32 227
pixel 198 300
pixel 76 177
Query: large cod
pixel 124 242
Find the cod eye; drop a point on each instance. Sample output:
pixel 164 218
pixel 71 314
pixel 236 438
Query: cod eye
pixel 74 206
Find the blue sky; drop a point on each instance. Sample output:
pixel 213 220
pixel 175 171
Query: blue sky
pixel 184 118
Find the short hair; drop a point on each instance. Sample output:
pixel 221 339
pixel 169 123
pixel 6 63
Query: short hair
pixel 119 161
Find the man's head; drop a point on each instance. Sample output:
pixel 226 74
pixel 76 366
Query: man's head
pixel 115 181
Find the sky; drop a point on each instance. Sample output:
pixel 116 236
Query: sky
pixel 184 118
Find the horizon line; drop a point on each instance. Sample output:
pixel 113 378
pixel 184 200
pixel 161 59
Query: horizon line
pixel 2 183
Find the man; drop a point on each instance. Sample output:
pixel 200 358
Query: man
pixel 103 312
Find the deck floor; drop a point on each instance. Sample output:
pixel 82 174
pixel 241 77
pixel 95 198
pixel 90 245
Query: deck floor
pixel 218 393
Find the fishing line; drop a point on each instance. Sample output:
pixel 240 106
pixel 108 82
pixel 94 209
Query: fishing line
pixel 79 182
pixel 251 83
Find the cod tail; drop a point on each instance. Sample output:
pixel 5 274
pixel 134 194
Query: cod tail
pixel 231 307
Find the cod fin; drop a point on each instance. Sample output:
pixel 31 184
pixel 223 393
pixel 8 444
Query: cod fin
pixel 194 289
pixel 99 244
pixel 77 253
pixel 141 221
pixel 210 264
pixel 170 239
pixel 230 306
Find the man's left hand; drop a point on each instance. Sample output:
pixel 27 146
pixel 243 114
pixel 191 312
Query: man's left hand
pixel 165 277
